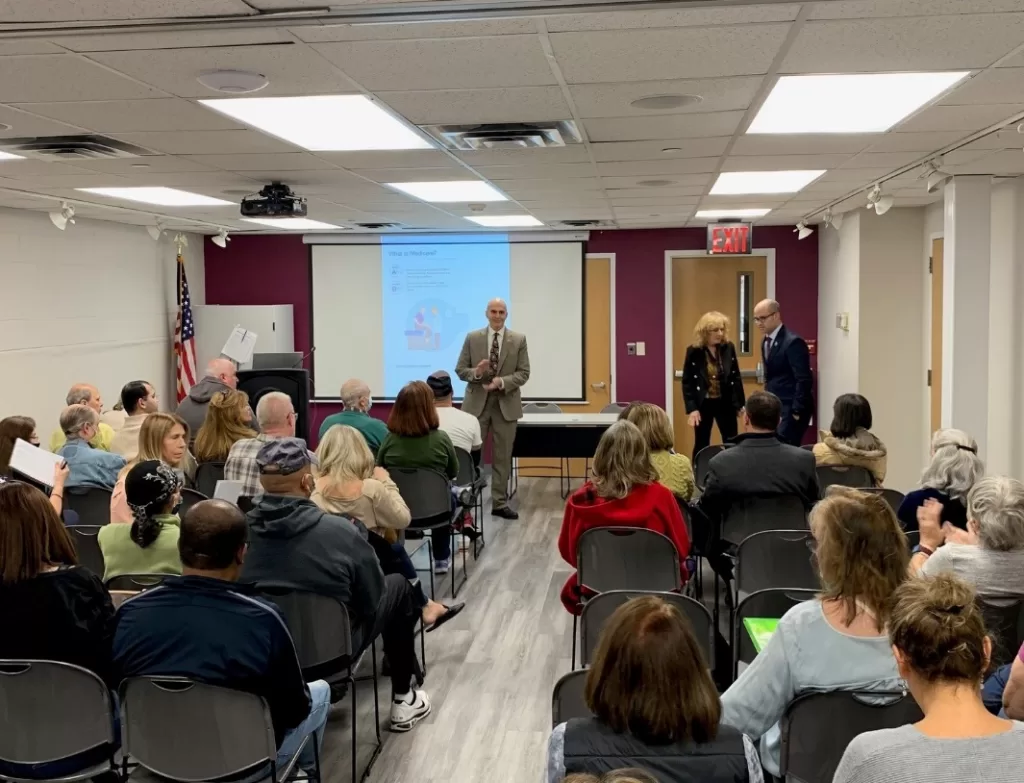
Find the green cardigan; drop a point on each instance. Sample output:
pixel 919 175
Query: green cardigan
pixel 434 450
pixel 121 555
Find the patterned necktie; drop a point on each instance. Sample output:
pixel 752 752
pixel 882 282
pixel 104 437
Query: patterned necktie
pixel 494 353
pixel 766 347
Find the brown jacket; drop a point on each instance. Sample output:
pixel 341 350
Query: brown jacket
pixel 863 449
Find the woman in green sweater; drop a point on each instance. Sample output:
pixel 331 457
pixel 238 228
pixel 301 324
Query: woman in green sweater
pixel 149 545
pixel 414 441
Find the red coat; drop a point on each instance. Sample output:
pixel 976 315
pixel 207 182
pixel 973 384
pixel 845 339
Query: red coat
pixel 649 506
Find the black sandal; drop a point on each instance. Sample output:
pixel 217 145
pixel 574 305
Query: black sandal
pixel 450 612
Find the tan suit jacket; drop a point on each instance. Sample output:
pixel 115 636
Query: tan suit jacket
pixel 513 369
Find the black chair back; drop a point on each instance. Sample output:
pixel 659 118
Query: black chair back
pixel 1004 621
pixel 86 538
pixel 135 583
pixel 189 497
pixel 207 476
pixel 844 476
pixel 776 558
pixel 891 496
pixel 567 701
pixel 703 460
pixel 913 539
pixel 92 504
pixel 817 727
pixel 427 493
pixel 627 558
pixel 319 626
pixel 773 602
pixel 749 515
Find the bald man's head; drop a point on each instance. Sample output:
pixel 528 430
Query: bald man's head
pixel 275 414
pixel 224 371
pixel 212 539
pixel 85 394
pixel 497 312
pixel 356 395
pixel 767 315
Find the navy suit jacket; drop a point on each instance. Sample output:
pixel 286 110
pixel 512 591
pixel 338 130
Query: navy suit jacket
pixel 787 372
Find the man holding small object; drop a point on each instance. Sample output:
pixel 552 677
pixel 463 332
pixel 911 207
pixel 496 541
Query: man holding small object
pixel 494 363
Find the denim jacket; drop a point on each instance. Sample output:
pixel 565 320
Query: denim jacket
pixel 90 467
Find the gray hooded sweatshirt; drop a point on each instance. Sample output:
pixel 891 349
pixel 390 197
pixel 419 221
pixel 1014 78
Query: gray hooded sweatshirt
pixel 193 408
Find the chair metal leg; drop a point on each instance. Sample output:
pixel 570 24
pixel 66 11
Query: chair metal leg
pixel 572 665
pixel 355 743
pixel 430 563
pixel 317 772
pixel 423 649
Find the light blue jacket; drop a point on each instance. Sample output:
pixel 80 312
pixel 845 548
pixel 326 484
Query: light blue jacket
pixel 90 467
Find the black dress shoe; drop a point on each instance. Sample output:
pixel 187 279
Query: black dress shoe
pixel 504 512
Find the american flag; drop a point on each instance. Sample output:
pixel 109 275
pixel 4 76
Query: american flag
pixel 184 336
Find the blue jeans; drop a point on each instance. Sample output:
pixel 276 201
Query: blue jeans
pixel 320 705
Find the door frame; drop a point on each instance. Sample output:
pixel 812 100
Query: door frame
pixel 670 379
pixel 611 333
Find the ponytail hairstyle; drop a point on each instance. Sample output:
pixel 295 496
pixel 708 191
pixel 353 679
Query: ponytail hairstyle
pixel 149 487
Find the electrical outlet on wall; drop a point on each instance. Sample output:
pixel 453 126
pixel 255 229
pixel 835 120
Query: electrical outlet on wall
pixel 630 349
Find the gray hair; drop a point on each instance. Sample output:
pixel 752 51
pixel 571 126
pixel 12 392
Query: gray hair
pixel 74 417
pixel 80 394
pixel 996 503
pixel 273 408
pixel 352 391
pixel 955 464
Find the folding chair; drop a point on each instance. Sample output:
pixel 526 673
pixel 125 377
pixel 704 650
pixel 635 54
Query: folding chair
pixel 844 476
pixel 86 538
pixel 773 602
pixel 817 728
pixel 567 701
pixel 428 495
pixel 913 539
pixel 625 558
pixel 53 712
pixel 564 479
pixel 615 407
pixel 320 628
pixel 703 460
pixel 1004 621
pixel 472 495
pixel 207 476
pixel 892 496
pixel 188 731
pixel 92 504
pixel 776 558
pixel 134 582
pixel 189 497
pixel 600 608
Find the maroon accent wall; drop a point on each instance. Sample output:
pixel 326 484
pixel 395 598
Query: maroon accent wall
pixel 274 269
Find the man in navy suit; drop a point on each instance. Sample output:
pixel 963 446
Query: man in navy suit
pixel 787 371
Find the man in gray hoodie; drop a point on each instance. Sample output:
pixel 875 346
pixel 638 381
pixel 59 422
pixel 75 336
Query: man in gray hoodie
pixel 221 375
pixel 295 545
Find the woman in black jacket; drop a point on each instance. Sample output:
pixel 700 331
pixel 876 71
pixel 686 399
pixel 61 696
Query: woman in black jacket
pixel 712 386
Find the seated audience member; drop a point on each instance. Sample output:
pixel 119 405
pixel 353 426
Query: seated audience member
pixel 24 428
pixel 1012 697
pixel 623 492
pixel 200 625
pixel 355 394
pixel 463 429
pixel 90 467
pixel 85 394
pixel 138 399
pixel 849 440
pixel 51 608
pixel 349 485
pixel 837 641
pixel 654 704
pixel 275 415
pixel 228 420
pixel 415 440
pixel 674 470
pixel 162 437
pixel 938 636
pixel 294 545
pixel 149 545
pixel 115 417
pixel 954 467
pixel 221 376
pixel 990 555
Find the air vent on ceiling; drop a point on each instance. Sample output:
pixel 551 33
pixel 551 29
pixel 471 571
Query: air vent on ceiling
pixel 84 147
pixel 506 135
pixel 378 226
pixel 584 223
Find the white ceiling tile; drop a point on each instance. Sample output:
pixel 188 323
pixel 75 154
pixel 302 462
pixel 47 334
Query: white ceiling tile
pixel 279 161
pixel 182 41
pixel 379 32
pixel 509 104
pixel 998 162
pixel 90 179
pixel 959 118
pixel 703 152
pixel 24 124
pixel 157 114
pixel 147 164
pixel 858 9
pixel 555 171
pixel 28 46
pixel 98 10
pixel 997 85
pixel 226 142
pixel 214 182
pixel 802 143
pixel 783 162
pixel 743 202
pixel 678 17
pixel 440 64
pixel 669 193
pixel 657 202
pixel 572 153
pixel 389 159
pixel 612 100
pixel 291 69
pixel 63 78
pixel 663 126
pixel 851 175
pixel 679 53
pixel 1000 140
pixel 574 213
pixel 914 142
pixel 679 184
pixel 919 43
pixel 966 155
pixel 620 177
pixel 441 174
pixel 25 169
pixel 869 160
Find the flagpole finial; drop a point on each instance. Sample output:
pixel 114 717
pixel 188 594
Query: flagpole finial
pixel 182 242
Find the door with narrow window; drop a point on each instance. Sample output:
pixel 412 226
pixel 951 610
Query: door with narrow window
pixel 935 373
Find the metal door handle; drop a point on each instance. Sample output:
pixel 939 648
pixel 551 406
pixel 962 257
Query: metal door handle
pixel 598 385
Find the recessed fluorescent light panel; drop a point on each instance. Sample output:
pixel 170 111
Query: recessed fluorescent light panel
pixel 738 183
pixel 164 197
pixel 848 103
pixel 292 224
pixel 449 192
pixel 323 122
pixel 506 221
pixel 10 156
pixel 731 213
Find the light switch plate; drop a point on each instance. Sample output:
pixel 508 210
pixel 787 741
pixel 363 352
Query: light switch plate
pixel 641 349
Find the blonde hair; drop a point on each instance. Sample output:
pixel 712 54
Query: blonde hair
pixel 707 322
pixel 155 428
pixel 223 427
pixel 622 461
pixel 343 455
pixel 653 423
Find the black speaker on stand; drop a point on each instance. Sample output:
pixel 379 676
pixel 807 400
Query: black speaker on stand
pixel 294 383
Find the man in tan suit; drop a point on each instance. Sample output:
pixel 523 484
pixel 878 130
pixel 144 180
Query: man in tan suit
pixel 494 363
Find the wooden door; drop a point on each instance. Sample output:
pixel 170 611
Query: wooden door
pixel 731 285
pixel 935 373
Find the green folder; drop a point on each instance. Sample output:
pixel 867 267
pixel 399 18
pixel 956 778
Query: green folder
pixel 760 630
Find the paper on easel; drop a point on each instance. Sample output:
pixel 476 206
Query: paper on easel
pixel 240 345
pixel 34 462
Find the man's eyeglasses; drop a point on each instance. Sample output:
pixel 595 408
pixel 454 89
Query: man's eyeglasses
pixel 760 319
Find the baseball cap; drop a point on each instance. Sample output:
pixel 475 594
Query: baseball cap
pixel 284 456
pixel 441 384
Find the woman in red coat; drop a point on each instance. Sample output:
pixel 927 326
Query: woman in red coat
pixel 624 492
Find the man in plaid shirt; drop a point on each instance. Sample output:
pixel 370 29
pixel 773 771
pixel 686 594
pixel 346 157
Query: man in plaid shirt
pixel 275 415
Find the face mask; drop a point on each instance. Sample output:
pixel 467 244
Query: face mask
pixel 369 404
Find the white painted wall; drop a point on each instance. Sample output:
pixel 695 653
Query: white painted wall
pixel 94 303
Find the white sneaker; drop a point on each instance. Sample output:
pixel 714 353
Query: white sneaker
pixel 405 715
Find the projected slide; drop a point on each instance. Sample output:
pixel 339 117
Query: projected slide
pixel 432 295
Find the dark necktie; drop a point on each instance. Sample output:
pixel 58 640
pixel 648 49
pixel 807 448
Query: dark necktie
pixel 494 353
pixel 766 346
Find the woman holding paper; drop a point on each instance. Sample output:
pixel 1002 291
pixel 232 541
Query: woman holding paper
pixel 15 428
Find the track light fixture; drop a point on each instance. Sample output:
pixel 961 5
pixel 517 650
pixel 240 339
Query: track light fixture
pixel 936 178
pixel 64 216
pixel 876 201
pixel 802 230
pixel 221 240
pixel 832 219
pixel 155 231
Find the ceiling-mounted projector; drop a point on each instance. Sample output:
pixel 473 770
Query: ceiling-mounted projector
pixel 274 201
